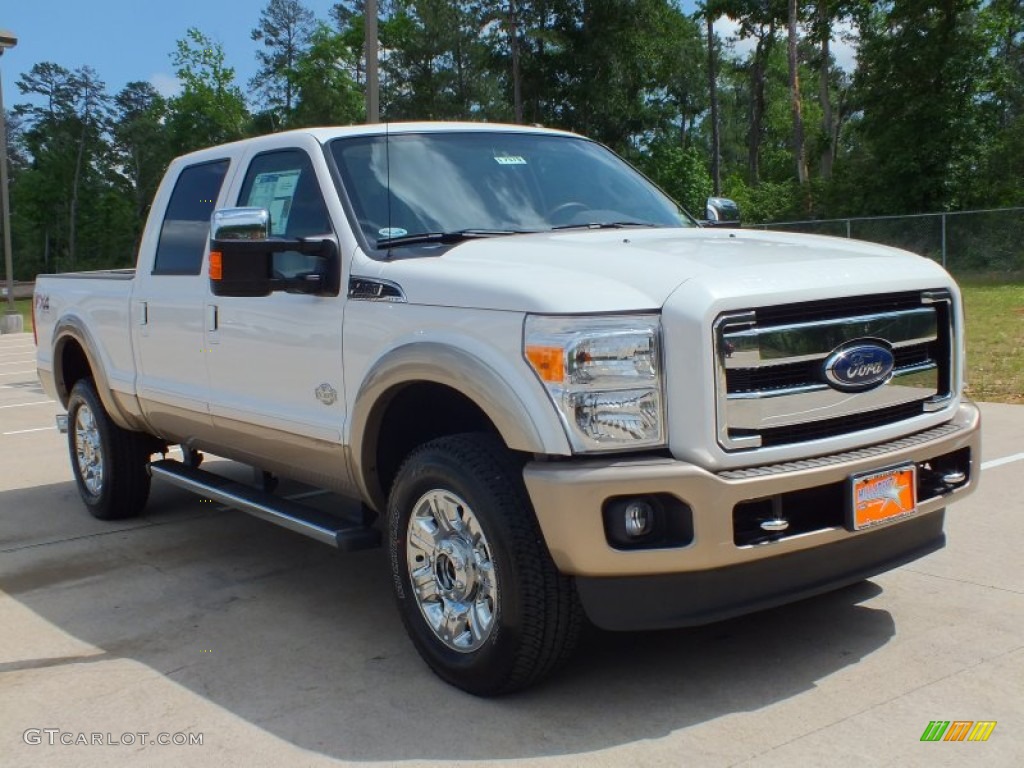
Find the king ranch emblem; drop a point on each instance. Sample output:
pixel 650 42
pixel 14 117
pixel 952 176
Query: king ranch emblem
pixel 327 394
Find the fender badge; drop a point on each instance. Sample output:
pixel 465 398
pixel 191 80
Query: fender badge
pixel 327 394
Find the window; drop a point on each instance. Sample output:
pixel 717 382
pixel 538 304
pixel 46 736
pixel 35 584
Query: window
pixel 502 182
pixel 284 183
pixel 186 227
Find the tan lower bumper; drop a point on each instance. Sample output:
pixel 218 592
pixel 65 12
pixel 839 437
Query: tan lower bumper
pixel 568 499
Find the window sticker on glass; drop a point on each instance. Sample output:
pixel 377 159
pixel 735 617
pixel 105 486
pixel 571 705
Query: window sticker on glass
pixel 275 191
pixel 510 160
pixel 392 232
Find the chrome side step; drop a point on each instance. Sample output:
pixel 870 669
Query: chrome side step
pixel 338 532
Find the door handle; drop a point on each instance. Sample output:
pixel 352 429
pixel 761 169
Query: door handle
pixel 212 317
pixel 143 313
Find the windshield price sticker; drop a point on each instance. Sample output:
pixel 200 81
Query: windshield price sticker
pixel 510 160
pixel 883 496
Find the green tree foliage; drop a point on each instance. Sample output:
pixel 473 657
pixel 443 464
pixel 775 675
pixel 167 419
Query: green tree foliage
pixel 326 94
pixel 141 146
pixel 285 27
pixel 1001 146
pixel 681 172
pixel 65 184
pixel 210 108
pixel 918 87
pixel 930 116
pixel 435 62
pixel 759 21
pixel 620 58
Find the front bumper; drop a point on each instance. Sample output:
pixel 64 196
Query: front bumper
pixel 568 498
pixel 701 597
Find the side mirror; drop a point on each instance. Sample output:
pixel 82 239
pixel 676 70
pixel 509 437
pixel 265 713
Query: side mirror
pixel 721 212
pixel 242 257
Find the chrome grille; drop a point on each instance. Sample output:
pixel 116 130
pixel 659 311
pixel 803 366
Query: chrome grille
pixel 772 388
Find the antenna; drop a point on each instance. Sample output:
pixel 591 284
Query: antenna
pixel 387 171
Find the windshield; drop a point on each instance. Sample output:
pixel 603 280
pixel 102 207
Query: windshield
pixel 477 183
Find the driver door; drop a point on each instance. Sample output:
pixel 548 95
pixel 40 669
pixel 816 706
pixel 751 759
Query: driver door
pixel 274 362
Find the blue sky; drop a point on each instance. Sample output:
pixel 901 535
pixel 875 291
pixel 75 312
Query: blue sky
pixel 126 40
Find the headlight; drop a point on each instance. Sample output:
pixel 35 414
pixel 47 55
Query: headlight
pixel 603 374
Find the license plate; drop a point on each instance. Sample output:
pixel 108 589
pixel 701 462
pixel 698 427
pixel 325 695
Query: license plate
pixel 879 497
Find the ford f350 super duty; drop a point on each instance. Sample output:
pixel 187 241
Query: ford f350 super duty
pixel 555 395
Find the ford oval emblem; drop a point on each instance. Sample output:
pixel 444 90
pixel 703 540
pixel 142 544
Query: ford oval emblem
pixel 859 366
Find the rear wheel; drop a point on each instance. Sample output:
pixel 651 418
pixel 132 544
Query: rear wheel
pixel 477 590
pixel 109 463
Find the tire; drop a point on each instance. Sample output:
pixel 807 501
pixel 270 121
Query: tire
pixel 109 463
pixel 490 613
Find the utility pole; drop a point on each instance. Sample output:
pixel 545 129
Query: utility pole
pixel 12 322
pixel 372 81
pixel 716 142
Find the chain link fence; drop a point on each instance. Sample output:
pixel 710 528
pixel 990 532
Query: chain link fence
pixel 965 241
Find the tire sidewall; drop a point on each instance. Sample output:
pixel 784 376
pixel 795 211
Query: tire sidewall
pixel 83 393
pixel 485 668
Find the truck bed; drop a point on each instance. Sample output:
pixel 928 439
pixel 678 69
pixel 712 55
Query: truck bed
pixel 126 273
pixel 99 302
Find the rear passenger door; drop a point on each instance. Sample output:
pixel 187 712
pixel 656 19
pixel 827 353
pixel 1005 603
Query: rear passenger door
pixel 276 385
pixel 168 305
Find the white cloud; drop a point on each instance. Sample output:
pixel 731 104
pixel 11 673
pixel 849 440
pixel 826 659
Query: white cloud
pixel 844 46
pixel 166 85
pixel 844 39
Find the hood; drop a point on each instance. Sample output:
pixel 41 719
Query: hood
pixel 629 270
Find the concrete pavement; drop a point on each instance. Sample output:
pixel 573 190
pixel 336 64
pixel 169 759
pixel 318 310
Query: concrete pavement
pixel 276 650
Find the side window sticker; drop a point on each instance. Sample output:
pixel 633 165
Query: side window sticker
pixel 275 191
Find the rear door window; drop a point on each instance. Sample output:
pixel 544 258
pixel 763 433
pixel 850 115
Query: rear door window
pixel 186 228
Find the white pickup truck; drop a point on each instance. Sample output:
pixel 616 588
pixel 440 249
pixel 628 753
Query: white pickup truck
pixel 562 396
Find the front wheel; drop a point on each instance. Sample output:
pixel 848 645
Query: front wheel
pixel 477 590
pixel 109 463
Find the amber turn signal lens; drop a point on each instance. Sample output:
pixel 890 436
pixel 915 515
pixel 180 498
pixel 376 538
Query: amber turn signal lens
pixel 548 362
pixel 216 265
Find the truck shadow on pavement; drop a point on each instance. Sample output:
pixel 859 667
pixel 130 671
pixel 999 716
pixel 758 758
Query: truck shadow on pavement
pixel 305 643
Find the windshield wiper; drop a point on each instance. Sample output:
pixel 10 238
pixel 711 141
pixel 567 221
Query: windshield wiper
pixel 445 238
pixel 606 225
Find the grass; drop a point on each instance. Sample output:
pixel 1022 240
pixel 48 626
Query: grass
pixel 994 309
pixel 24 306
pixel 994 305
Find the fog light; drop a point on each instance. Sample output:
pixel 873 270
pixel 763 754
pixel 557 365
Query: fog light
pixel 647 521
pixel 639 518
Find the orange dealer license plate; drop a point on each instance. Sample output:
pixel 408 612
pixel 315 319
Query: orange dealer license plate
pixel 880 497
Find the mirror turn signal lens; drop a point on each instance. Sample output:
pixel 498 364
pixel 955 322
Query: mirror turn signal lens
pixel 216 265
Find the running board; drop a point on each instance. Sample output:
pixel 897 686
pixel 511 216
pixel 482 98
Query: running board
pixel 343 534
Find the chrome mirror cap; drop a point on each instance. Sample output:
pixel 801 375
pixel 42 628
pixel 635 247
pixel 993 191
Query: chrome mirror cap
pixel 240 224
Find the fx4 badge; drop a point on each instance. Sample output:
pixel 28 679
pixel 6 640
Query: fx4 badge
pixel 327 394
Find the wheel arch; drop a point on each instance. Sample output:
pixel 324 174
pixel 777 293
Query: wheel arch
pixel 464 394
pixel 76 356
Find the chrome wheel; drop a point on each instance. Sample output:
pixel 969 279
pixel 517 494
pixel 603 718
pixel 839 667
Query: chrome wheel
pixel 451 570
pixel 109 463
pixel 89 450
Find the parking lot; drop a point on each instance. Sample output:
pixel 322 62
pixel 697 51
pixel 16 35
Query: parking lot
pixel 195 620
